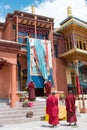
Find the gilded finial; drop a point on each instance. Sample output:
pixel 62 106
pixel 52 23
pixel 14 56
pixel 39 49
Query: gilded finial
pixel 33 9
pixel 69 11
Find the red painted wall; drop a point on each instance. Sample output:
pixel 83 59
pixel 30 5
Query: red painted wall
pixel 5 81
pixel 61 76
pixel 9 32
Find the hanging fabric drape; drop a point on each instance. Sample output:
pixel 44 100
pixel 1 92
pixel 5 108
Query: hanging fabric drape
pixel 41 55
pixel 39 61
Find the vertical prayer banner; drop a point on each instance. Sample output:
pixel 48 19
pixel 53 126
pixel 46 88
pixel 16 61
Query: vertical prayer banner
pixel 39 58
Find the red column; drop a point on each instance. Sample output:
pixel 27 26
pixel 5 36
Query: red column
pixel 78 84
pixel 76 65
pixel 53 57
pixel 13 86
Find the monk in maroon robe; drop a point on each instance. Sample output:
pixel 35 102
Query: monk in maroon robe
pixel 48 86
pixel 71 108
pixel 52 109
pixel 31 88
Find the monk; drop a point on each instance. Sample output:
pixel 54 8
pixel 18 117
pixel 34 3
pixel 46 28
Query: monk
pixel 71 108
pixel 48 85
pixel 52 109
pixel 31 88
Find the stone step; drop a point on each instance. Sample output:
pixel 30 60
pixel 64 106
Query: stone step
pixel 21 109
pixel 20 105
pixel 4 99
pixel 19 120
pixel 21 115
pixel 7 113
pixel 38 110
pixel 18 114
pixel 36 103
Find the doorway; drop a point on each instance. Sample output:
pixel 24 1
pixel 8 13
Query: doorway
pixel 38 91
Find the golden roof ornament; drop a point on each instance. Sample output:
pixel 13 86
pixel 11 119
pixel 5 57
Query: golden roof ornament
pixel 33 9
pixel 69 11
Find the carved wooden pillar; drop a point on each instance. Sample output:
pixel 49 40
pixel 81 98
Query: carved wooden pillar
pixel 51 39
pixel 35 27
pixel 73 40
pixel 76 65
pixel 13 85
pixel 16 28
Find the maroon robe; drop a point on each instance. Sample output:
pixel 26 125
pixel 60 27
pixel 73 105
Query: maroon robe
pixel 31 89
pixel 52 109
pixel 48 86
pixel 71 108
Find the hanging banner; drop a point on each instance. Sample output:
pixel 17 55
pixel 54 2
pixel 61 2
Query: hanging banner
pixel 39 61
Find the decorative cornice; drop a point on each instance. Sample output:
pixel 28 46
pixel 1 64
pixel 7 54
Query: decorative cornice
pixel 71 20
pixel 72 51
pixel 9 46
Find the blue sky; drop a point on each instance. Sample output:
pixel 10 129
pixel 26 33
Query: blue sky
pixel 7 6
pixel 56 9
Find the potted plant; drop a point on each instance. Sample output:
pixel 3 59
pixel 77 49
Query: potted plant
pixel 22 98
pixel 42 118
pixel 29 114
pixel 25 103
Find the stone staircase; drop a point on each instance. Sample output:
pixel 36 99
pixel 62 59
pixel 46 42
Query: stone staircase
pixel 18 114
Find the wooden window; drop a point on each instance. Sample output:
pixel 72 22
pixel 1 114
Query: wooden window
pixel 68 44
pixel 81 43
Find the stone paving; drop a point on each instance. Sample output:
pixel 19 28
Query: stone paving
pixel 43 125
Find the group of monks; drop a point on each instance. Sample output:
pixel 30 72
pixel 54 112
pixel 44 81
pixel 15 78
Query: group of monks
pixel 31 89
pixel 52 108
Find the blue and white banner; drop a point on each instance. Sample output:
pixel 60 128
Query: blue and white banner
pixel 39 61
